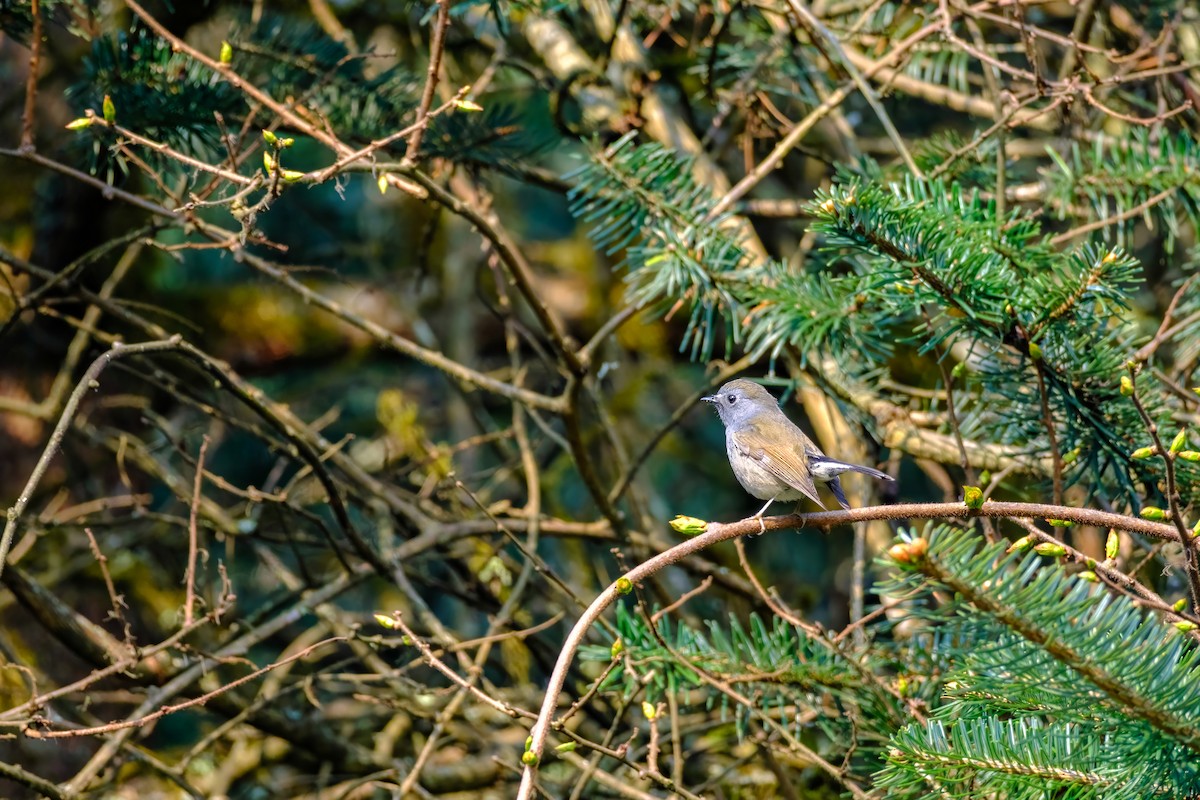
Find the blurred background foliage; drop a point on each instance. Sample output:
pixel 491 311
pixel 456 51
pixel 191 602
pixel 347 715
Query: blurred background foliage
pixel 1040 158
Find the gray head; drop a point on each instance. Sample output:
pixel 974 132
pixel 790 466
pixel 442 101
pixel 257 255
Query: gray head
pixel 742 400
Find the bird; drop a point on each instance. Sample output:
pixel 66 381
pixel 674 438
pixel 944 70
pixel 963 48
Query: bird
pixel 770 456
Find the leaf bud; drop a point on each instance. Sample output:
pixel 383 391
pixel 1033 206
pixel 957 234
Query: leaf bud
pixel 1112 545
pixel 1089 576
pixel 908 552
pixel 226 53
pixel 1059 523
pixel 110 109
pixel 617 648
pixel 1180 604
pixel 1035 351
pixel 529 758
pixel 1185 626
pixel 1143 452
pixel 1152 513
pixel 973 497
pixel 1020 545
pixel 385 620
pixel 79 124
pixel 624 585
pixel 1126 386
pixel 1189 455
pixel 270 138
pixel 566 747
pixel 688 525
pixel 1051 549
pixel 1179 442
pixel 467 105
pixel 648 710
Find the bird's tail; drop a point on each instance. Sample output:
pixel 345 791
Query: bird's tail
pixel 874 473
pixel 825 468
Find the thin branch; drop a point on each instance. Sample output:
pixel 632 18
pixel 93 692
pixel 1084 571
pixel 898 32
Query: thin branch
pixel 436 45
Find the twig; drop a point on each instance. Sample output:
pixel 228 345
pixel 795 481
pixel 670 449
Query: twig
pixel 193 535
pixel 162 711
pixel 436 45
pixel 35 57
pixel 1182 534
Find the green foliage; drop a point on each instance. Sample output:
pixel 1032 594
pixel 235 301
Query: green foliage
pixel 1052 684
pixel 162 94
pixel 1148 181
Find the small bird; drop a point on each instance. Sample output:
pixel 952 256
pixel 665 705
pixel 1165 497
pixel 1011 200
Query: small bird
pixel 771 457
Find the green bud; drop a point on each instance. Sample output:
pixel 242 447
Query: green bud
pixel 288 142
pixel 406 640
pixel 1089 576
pixel 1126 386
pixel 1059 523
pixel 1035 351
pixel 1179 442
pixel 617 648
pixel 385 620
pixel 959 370
pixel 1189 455
pixel 1143 452
pixel 1180 604
pixel 79 124
pixel 688 525
pixel 1185 626
pixel 110 109
pixel 902 686
pixel 529 758
pixel 566 747
pixel 270 138
pixel 1112 545
pixel 1052 549
pixel 291 175
pixel 973 497
pixel 1020 545
pixel 1152 513
pixel 1196 529
pixel 1071 457
pixel 268 162
pixel 648 710
pixel 624 585
pixel 528 743
pixel 226 53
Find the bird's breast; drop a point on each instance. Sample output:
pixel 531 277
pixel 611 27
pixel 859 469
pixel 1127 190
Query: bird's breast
pixel 754 478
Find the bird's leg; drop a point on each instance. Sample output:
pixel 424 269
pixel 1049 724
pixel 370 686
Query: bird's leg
pixel 762 528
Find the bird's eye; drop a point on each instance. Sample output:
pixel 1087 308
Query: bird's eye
pixel 732 399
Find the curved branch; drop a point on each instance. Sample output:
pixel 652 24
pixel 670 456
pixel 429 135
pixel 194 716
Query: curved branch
pixel 824 520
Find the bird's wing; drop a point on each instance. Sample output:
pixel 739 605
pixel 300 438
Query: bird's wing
pixel 787 464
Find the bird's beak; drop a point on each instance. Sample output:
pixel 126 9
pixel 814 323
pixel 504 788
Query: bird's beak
pixel 712 398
